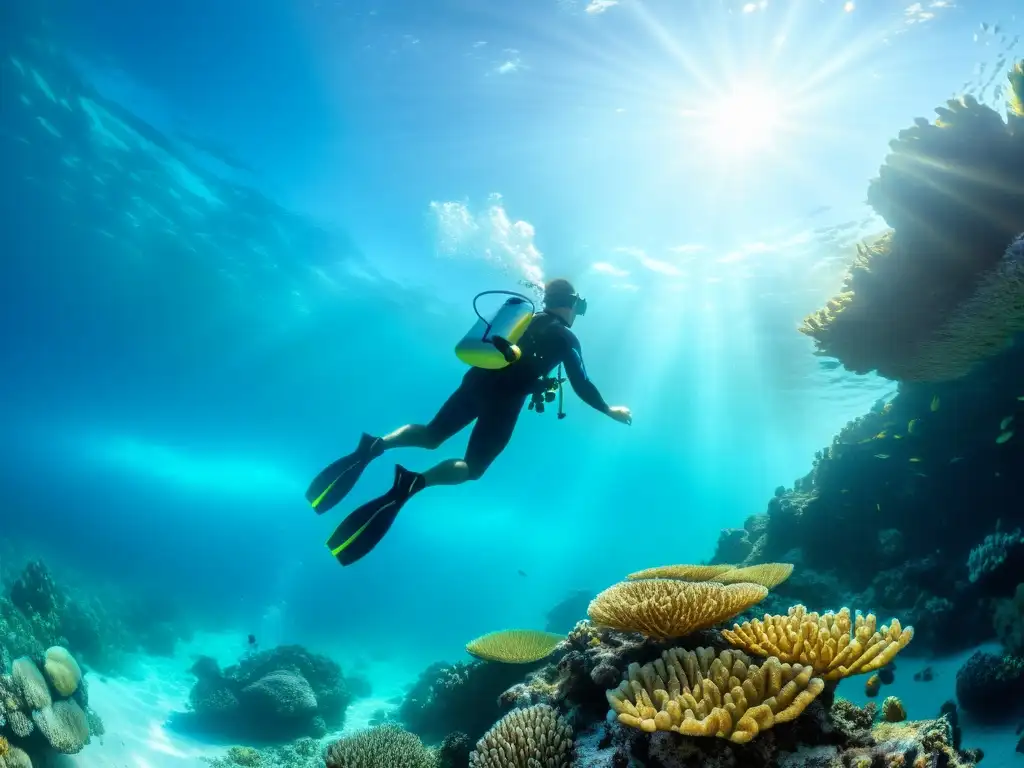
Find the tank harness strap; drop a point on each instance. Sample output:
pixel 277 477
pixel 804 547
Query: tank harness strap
pixel 561 394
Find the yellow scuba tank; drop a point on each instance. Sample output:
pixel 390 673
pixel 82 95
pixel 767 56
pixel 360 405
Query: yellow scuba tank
pixel 492 343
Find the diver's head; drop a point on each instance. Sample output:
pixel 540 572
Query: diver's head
pixel 561 300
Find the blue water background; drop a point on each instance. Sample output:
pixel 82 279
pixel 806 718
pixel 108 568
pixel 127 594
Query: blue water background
pixel 161 414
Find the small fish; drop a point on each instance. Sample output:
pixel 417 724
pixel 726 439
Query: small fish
pixel 914 460
pixel 878 507
pixel 845 490
pixel 955 459
pixel 1004 437
pixel 1020 397
pixel 897 437
pixel 1006 422
pixel 935 403
pixel 880 436
pixel 252 639
pixel 521 572
pixel 912 426
pixel 881 455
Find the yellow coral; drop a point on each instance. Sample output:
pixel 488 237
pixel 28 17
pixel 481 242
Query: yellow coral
pixel 824 642
pixel 514 646
pixel 697 693
pixel 768 575
pixel 662 608
pixel 684 572
pixel 5 747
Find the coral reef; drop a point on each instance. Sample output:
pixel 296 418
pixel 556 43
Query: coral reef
pixel 271 696
pixel 39 613
pixel 940 290
pixel 44 709
pixel 460 697
pixel 988 686
pixel 302 753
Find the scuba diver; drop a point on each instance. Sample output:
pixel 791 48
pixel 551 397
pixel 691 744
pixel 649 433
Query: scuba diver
pixel 512 356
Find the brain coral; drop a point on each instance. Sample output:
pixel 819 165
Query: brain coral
pixel 62 670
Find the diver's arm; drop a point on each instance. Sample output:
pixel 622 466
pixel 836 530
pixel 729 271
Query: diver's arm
pixel 581 383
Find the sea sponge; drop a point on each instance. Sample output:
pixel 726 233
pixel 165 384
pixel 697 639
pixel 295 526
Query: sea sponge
pixel 525 738
pixel 515 646
pixel 383 745
pixel 697 693
pixel 662 608
pixel 30 681
pixel 823 641
pixel 684 572
pixel 64 725
pixel 62 670
pixel 893 711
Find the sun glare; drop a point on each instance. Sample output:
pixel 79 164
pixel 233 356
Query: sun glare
pixel 744 120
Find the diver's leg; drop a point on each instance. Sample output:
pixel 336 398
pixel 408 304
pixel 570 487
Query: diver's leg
pixel 454 416
pixel 493 430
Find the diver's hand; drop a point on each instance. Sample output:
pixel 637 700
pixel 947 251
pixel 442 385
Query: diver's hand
pixel 621 414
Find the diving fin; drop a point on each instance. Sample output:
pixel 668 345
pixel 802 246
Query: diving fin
pixel 334 483
pixel 363 529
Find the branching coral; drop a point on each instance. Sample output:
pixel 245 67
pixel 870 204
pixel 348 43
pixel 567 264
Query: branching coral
pixel 384 745
pixel 823 641
pixel 696 693
pixel 936 294
pixel 663 608
pixel 524 738
pixel 515 646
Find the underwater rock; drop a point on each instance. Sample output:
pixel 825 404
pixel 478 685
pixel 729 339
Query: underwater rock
pixel 926 675
pixel 454 751
pixel 734 546
pixel 1008 620
pixel 275 695
pixel 988 686
pixel 459 697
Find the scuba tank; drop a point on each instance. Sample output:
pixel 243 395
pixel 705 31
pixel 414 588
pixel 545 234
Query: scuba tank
pixel 492 343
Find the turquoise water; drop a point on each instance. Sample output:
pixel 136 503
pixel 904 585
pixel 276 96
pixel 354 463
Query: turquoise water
pixel 236 237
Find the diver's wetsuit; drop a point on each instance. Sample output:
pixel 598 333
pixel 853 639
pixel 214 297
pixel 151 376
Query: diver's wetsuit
pixel 495 397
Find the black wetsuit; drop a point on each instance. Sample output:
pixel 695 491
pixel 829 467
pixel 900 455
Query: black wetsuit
pixel 496 397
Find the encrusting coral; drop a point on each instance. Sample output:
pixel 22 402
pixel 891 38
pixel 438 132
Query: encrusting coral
pixel 697 693
pixel 514 646
pixel 823 641
pixel 664 608
pixel 525 738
